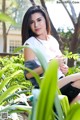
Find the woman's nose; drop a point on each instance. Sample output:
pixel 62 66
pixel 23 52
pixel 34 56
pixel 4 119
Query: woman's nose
pixel 36 24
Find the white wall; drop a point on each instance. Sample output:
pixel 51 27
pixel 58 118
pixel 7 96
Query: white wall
pixel 1 45
pixel 12 35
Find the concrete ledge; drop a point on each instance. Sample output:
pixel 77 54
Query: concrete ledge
pixel 8 54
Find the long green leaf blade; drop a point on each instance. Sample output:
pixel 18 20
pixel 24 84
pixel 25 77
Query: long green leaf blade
pixel 47 94
pixel 3 83
pixel 9 91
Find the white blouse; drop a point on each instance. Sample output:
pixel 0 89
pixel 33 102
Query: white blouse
pixel 49 48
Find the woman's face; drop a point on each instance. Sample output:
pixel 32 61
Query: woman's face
pixel 38 24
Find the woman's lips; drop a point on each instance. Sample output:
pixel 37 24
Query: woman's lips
pixel 38 29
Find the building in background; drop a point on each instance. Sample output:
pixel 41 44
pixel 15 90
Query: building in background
pixel 13 40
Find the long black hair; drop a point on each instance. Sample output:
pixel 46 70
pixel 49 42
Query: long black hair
pixel 26 31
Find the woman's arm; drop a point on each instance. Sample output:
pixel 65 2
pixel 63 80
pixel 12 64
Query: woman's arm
pixel 38 70
pixel 75 78
pixel 29 55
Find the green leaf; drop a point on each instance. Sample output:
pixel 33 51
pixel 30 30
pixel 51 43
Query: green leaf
pixel 36 76
pixel 5 18
pixel 7 79
pixel 9 91
pixel 47 92
pixel 3 70
pixel 65 104
pixel 17 108
pixel 74 112
pixel 20 48
pixel 41 58
pixel 38 53
pixel 58 108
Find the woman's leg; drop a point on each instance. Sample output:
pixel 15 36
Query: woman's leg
pixel 76 99
pixel 75 78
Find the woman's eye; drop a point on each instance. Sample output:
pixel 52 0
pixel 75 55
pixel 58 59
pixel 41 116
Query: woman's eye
pixel 31 22
pixel 39 19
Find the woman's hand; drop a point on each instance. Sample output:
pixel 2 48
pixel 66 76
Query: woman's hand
pixel 64 68
pixel 60 60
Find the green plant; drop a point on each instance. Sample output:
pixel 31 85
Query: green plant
pixel 47 97
pixel 48 103
pixel 13 85
pixel 48 87
pixel 45 100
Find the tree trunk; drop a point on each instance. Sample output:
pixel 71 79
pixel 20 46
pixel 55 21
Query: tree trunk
pixel 32 2
pixel 53 29
pixel 75 42
pixel 4 28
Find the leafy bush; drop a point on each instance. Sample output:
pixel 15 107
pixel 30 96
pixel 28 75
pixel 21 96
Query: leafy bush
pixel 14 88
pixel 47 102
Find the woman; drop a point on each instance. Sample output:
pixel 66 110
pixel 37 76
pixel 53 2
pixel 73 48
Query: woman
pixel 36 33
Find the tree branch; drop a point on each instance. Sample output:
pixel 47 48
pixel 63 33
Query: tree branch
pixel 67 12
pixel 32 2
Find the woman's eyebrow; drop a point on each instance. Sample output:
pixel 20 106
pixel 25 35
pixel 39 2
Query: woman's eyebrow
pixel 36 18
